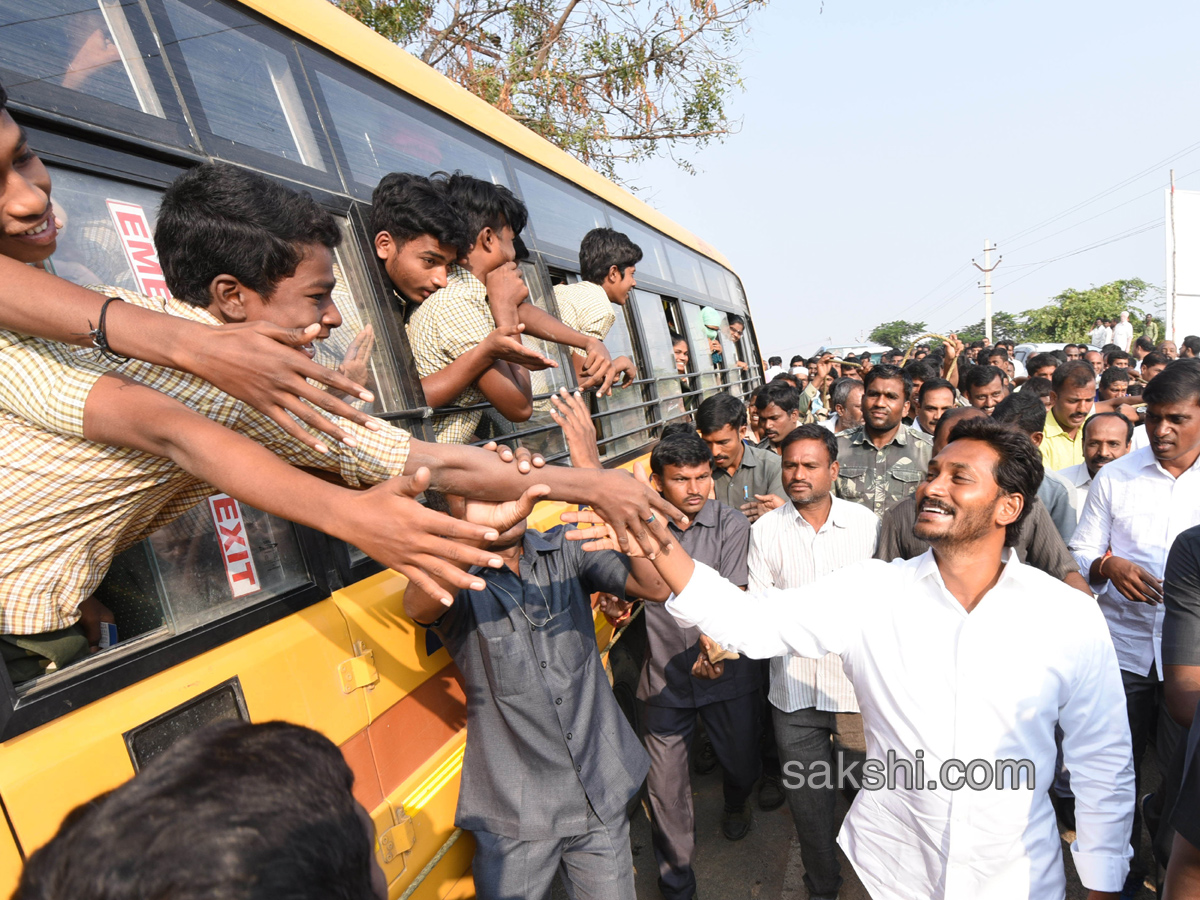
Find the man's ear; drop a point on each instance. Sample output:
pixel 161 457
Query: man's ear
pixel 1037 437
pixel 835 468
pixel 486 240
pixel 613 276
pixel 1008 508
pixel 656 482
pixel 384 245
pixel 742 432
pixel 227 297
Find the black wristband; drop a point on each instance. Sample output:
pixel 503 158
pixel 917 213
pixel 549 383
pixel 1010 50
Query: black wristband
pixel 100 337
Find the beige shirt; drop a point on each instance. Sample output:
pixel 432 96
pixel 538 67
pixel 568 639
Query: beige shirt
pixel 585 307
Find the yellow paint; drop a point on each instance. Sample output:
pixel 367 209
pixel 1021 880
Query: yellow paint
pixel 327 26
pixel 10 862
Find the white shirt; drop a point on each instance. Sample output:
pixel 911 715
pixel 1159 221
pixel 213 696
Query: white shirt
pixel 1097 335
pixel 1078 480
pixel 988 685
pixel 1140 439
pixel 1123 335
pixel 772 372
pixel 829 424
pixel 785 552
pixel 1137 508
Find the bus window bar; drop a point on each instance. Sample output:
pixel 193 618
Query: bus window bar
pixel 420 412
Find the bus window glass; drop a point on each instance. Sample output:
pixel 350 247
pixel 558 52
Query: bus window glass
pixel 660 362
pixel 624 410
pixel 549 442
pixel 714 277
pixel 246 90
pixel 686 266
pixel 654 252
pixel 701 332
pixel 357 348
pixel 377 137
pixel 736 296
pixel 559 216
pixel 82 45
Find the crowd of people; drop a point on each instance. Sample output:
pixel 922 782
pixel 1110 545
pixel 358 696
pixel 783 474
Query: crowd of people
pixel 956 559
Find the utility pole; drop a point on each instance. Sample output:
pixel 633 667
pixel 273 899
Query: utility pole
pixel 987 268
pixel 1169 331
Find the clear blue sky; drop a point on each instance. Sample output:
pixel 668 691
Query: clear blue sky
pixel 882 142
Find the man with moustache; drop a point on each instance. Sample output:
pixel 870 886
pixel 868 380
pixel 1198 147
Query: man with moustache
pixel 984 387
pixel 934 399
pixel 745 477
pixel 1074 394
pixel 846 399
pixel 725 696
pixel 947 668
pixel 812 703
pixel 881 463
pixel 1106 437
pixel 778 405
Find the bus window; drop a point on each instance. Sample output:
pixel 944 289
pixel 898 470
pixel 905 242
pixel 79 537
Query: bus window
pixel 624 414
pixel 558 215
pixel 244 86
pixel 714 277
pixel 704 358
pixel 660 361
pixel 81 45
pixel 686 266
pixel 539 433
pixel 654 251
pixel 375 136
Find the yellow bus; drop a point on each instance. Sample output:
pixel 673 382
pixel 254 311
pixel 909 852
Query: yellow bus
pixel 120 96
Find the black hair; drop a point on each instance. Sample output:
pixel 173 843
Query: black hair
pixel 774 360
pixel 1040 361
pixel 931 385
pixel 735 319
pixel 1155 359
pixel 217 219
pixel 718 411
pixel 1134 389
pixel 1192 343
pixel 891 351
pixel 1145 343
pixel 676 338
pixel 680 450
pixel 812 432
pixel 981 376
pixel 1039 387
pixel 408 206
pixel 919 369
pixel 1019 469
pixel 1024 410
pixel 236 811
pixel 1109 348
pixel 1060 357
pixel 887 373
pixel 603 248
pixel 798 360
pixel 1113 355
pixel 483 204
pixel 839 394
pixel 1113 374
pixel 1179 381
pixel 1076 373
pixel 1109 415
pixel 986 356
pixel 784 395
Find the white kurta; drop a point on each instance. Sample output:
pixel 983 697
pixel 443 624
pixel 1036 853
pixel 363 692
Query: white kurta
pixel 987 685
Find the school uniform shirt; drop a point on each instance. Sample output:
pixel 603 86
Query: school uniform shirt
pixel 944 686
pixel 546 740
pixel 585 307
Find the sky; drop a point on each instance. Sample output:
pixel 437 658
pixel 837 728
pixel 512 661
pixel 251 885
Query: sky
pixel 882 143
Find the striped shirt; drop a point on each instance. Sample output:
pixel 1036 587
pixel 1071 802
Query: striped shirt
pixel 449 323
pixel 69 505
pixel 785 552
pixel 585 307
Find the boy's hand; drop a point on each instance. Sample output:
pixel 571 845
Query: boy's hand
pixel 356 363
pixel 572 415
pixel 615 610
pixel 503 516
pixel 504 343
pixel 259 363
pixel 710 664
pixel 389 525
pixel 624 367
pixel 598 368
pixel 91 613
pixel 506 290
pixel 525 459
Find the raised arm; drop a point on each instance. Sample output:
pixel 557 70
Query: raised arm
pixel 503 344
pixel 597 365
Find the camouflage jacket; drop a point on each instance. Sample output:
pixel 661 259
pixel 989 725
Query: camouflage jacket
pixel 879 479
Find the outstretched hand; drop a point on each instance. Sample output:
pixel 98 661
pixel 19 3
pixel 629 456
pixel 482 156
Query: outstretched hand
pixel 524 458
pixel 572 415
pixel 504 515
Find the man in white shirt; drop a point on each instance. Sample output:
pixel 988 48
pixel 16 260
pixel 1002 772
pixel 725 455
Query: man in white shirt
pixel 962 654
pixel 1106 437
pixel 1123 332
pixel 812 700
pixel 1136 508
pixel 1098 334
pixel 846 399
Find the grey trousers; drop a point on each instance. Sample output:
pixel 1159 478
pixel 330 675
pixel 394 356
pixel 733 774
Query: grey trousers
pixel 597 865
pixel 806 737
pixel 733 727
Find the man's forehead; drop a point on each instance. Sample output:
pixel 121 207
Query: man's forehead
pixel 966 453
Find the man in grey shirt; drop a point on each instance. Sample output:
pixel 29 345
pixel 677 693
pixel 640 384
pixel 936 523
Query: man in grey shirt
pixel 745 477
pixel 551 762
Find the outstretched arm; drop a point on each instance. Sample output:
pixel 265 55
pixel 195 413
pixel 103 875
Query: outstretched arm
pixel 255 362
pixel 503 344
pixel 597 365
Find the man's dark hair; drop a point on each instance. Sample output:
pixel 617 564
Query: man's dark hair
pixel 1040 361
pixel 1019 469
pixel 918 369
pixel 1109 348
pixel 779 392
pixel 1192 343
pixel 933 384
pixel 1060 357
pixel 1025 411
pixel 1109 415
pixel 408 206
pixel 887 373
pixel 1178 382
pixel 680 450
pixel 1144 343
pixel 1076 373
pixel 718 411
pixel 840 393
pixel 1112 356
pixel 811 432
pixel 483 204
pixel 1038 387
pixel 236 811
pixel 798 360
pixel 980 376
pixel 1006 342
pixel 217 219
pixel 975 345
pixel 1134 389
pixel 1113 374
pixel 603 248
pixel 675 428
pixel 774 360
pixel 986 356
pixel 1155 359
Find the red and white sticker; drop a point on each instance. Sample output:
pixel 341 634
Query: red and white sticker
pixel 138 241
pixel 235 548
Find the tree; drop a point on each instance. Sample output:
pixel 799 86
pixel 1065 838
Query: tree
pixel 1071 314
pixel 609 81
pixel 896 334
pixel 1005 326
